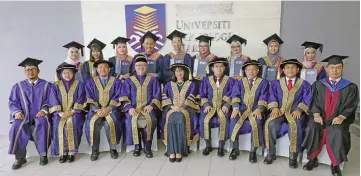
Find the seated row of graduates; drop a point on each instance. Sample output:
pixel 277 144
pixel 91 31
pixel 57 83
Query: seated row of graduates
pixel 139 97
pixel 124 63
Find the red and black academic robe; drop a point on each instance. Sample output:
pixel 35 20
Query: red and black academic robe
pixel 331 102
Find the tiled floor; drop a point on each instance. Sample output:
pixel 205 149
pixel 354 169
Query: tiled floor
pixel 193 165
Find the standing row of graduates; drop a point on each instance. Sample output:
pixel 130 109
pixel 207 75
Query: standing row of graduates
pixel 236 106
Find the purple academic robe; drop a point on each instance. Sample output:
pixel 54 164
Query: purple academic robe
pixel 186 98
pixel 216 98
pixel 248 99
pixel 100 97
pixel 298 98
pixel 67 132
pixel 29 100
pixel 186 59
pixel 139 92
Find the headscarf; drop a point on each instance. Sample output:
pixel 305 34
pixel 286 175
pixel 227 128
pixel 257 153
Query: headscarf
pixel 207 53
pixel 306 63
pixel 239 54
pixel 66 83
pixel 75 62
pixel 121 57
pixel 272 57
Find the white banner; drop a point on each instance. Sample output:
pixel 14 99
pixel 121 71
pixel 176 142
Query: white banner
pixel 253 21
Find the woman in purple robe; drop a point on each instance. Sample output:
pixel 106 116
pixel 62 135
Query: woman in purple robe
pixel 176 56
pixel 272 59
pixel 215 96
pixel 289 100
pixel 140 97
pixel 249 103
pixel 29 118
pixel 236 53
pixel 66 104
pixel 102 93
pixel 310 60
pixel 179 106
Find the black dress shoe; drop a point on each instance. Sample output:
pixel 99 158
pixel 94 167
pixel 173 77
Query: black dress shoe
pixel 136 153
pixel 94 156
pixel 71 158
pixel 18 163
pixel 310 165
pixel 178 160
pixel 172 160
pixel 149 154
pixel 220 152
pixel 114 154
pixel 63 158
pixel 292 163
pixel 166 154
pixel 207 150
pixel 269 159
pixel 43 160
pixel 233 155
pixel 252 157
pixel 336 171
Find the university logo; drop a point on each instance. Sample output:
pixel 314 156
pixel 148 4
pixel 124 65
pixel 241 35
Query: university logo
pixel 143 18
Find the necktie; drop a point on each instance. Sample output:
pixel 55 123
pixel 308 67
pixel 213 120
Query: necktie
pixel 104 82
pixel 289 85
pixel 250 83
pixel 217 83
pixel 32 84
pixel 333 83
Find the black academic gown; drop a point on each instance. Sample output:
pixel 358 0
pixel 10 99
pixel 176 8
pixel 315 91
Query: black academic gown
pixel 331 102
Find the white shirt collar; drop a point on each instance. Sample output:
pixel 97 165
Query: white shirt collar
pixel 34 81
pixel 293 80
pixel 254 79
pixel 337 80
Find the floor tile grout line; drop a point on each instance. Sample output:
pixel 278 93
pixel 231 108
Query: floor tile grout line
pixel 138 166
pixel 188 160
pixel 162 166
pixel 209 167
pixel 116 164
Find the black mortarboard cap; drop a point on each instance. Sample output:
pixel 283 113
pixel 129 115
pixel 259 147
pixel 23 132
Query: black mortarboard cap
pixel 119 40
pixel 273 37
pixel 218 60
pixel 176 33
pixel 314 45
pixel 237 38
pixel 149 35
pixel 334 59
pixel 30 62
pixel 204 38
pixel 75 45
pixel 97 42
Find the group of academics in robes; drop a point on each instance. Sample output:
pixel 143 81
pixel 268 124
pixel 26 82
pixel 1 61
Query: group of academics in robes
pixel 106 93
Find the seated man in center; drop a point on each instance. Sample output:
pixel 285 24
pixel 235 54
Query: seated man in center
pixel 140 98
pixel 215 96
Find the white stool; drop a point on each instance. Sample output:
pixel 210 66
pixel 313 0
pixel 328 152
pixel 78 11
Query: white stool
pixel 215 140
pixel 245 144
pixel 103 145
pixel 154 146
pixel 322 158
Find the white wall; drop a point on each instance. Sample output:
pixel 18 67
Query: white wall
pixel 251 20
